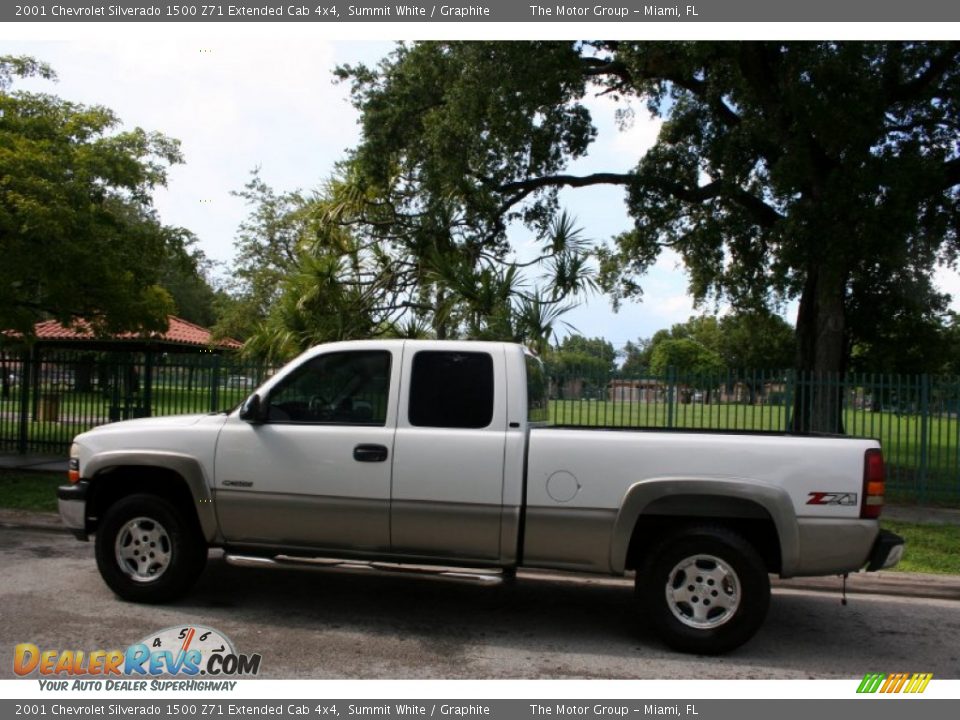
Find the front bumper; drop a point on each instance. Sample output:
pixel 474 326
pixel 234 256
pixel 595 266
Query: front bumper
pixel 887 551
pixel 72 502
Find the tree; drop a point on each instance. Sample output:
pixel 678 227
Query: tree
pixel 317 268
pixel 685 357
pixel 690 363
pixel 637 355
pixel 749 340
pixel 587 362
pixel 914 335
pixel 184 273
pixel 78 236
pixel 755 340
pixel 597 351
pixel 268 247
pixel 784 170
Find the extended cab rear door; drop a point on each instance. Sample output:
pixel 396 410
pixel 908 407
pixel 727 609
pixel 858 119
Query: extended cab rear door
pixel 448 460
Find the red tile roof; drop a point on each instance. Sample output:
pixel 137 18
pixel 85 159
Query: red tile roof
pixel 179 332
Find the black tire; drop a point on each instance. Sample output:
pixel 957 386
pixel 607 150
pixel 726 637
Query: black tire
pixel 148 550
pixel 705 589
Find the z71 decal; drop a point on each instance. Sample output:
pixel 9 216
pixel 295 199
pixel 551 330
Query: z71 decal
pixel 832 498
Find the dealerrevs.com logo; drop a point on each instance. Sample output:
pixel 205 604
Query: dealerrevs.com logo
pixel 894 682
pixel 181 652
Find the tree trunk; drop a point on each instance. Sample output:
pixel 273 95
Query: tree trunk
pixel 821 347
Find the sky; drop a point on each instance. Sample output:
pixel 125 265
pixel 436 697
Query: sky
pixel 240 101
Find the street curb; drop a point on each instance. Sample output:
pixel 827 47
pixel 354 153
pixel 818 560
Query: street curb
pixel 31 520
pixel 891 584
pixel 895 584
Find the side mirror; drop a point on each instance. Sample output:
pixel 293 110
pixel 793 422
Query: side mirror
pixel 252 409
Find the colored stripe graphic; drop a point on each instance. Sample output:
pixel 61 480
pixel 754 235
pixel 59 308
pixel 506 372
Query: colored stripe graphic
pixel 871 682
pixel 894 682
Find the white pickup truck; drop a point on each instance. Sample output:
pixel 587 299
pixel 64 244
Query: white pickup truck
pixel 438 453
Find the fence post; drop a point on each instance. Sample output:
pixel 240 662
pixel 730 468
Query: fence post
pixel 35 382
pixel 115 377
pixel 215 384
pixel 788 401
pixel 23 428
pixel 148 383
pixel 670 396
pixel 924 435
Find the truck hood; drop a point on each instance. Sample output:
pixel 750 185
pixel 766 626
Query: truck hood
pixel 141 425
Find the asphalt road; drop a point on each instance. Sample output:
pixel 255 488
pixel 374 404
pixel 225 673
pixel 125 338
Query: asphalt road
pixel 338 625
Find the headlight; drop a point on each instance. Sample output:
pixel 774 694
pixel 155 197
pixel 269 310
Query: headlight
pixel 73 466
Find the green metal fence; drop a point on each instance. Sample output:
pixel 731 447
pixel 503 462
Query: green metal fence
pixel 914 417
pixel 46 401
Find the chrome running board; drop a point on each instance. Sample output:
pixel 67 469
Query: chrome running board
pixel 436 572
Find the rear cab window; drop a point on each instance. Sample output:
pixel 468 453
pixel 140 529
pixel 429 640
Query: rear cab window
pixel 451 389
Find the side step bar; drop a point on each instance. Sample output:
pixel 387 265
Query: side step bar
pixel 436 572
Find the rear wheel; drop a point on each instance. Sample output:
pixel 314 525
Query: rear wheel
pixel 148 550
pixel 705 589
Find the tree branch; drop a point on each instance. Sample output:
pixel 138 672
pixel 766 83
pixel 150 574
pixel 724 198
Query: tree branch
pixel 763 214
pixel 595 67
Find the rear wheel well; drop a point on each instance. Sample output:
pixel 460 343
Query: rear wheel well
pixel 752 523
pixel 110 486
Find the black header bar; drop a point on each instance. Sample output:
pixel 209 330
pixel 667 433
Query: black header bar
pixel 574 11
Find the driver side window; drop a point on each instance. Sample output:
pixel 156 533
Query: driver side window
pixel 343 388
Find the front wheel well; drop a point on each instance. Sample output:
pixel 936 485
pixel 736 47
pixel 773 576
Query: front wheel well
pixel 109 486
pixel 760 532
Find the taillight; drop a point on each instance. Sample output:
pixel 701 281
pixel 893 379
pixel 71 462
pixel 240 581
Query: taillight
pixel 874 481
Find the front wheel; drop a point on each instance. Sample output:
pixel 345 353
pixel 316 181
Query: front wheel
pixel 148 550
pixel 705 589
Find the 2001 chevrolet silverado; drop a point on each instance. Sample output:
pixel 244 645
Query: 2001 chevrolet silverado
pixel 438 453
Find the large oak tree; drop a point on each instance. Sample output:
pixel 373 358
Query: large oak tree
pixel 825 172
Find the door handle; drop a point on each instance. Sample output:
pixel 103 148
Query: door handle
pixel 370 453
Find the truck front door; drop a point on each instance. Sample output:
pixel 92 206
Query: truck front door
pixel 315 473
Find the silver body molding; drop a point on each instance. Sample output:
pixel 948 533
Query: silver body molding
pixel 470 531
pixel 834 547
pixel 733 497
pixel 460 532
pixel 568 538
pixel 185 466
pixel 304 520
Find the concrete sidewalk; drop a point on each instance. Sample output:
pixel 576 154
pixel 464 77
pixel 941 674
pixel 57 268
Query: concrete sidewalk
pixel 45 463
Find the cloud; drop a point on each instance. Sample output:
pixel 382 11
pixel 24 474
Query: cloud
pixel 618 149
pixel 234 102
pixel 948 280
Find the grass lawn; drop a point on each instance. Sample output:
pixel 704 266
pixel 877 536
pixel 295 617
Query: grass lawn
pixel 30 490
pixel 930 548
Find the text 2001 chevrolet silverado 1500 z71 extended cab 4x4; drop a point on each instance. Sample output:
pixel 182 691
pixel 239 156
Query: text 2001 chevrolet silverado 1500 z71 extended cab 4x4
pixel 434 452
